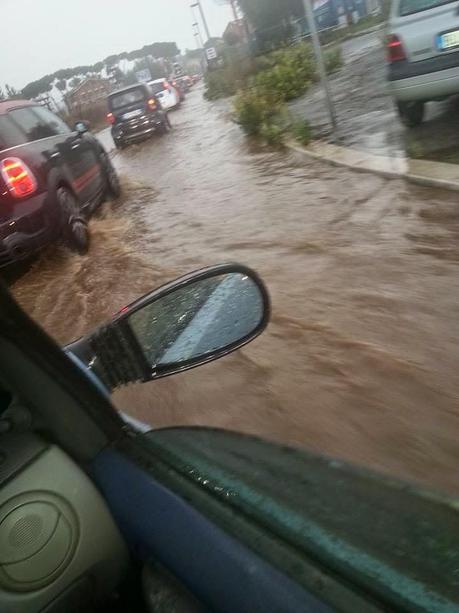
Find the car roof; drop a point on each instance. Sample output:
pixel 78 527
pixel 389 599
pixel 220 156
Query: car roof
pixel 126 89
pixel 7 105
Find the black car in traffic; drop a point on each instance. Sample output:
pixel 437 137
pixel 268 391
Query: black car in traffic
pixel 135 113
pixel 51 180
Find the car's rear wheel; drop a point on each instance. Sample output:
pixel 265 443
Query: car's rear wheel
pixel 112 181
pixel 75 227
pixel 120 144
pixel 411 113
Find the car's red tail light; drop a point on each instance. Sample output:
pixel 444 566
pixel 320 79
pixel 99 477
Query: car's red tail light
pixel 395 50
pixel 18 177
pixel 167 85
pixel 111 118
pixel 151 104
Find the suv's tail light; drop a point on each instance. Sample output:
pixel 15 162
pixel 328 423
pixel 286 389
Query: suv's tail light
pixel 395 50
pixel 18 177
pixel 111 118
pixel 151 104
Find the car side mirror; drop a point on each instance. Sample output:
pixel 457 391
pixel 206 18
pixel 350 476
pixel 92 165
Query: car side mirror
pixel 194 320
pixel 81 127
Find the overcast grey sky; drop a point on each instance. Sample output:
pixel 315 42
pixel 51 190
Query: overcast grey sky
pixel 45 35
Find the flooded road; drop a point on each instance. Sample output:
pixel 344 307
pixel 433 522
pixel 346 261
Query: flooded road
pixel 361 358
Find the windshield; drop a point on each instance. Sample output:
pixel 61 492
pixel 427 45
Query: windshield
pixel 117 101
pixel 409 7
pixel 321 153
pixel 156 88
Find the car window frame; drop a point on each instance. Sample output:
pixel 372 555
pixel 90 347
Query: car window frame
pixel 4 145
pixel 54 116
pixel 20 125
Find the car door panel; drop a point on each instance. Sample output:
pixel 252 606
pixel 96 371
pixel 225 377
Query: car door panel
pixel 219 570
pixel 87 180
pixel 333 529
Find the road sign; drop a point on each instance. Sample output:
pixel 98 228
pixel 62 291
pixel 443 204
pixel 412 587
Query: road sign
pixel 178 70
pixel 211 53
pixel 143 76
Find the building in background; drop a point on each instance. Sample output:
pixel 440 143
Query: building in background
pixel 236 33
pixel 91 92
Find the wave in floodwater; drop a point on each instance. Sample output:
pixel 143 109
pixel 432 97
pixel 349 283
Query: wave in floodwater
pixel 72 294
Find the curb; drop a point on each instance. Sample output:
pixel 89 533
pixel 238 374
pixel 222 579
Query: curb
pixel 419 172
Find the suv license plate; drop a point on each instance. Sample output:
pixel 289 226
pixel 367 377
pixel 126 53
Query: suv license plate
pixel 448 40
pixel 132 114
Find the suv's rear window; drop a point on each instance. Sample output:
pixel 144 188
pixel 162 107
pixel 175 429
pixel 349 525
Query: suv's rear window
pixel 131 96
pixel 10 134
pixel 409 7
pixel 157 87
pixel 27 124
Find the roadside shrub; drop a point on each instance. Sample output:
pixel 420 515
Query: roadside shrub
pixel 301 130
pixel 290 75
pixel 333 60
pixel 287 73
pixel 272 133
pixel 225 82
pixel 218 85
pixel 253 109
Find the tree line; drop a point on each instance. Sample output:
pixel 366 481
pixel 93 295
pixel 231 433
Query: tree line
pixel 44 85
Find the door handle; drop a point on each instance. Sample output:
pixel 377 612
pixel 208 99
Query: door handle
pixel 76 146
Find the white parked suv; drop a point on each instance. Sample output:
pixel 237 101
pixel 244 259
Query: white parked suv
pixel 166 94
pixel 423 54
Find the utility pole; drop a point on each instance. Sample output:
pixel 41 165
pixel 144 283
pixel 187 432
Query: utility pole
pixel 233 6
pixel 320 62
pixel 197 35
pixel 203 17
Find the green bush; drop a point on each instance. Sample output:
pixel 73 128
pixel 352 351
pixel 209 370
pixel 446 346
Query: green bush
pixel 291 72
pixel 272 133
pixel 287 73
pixel 253 109
pixel 218 85
pixel 333 60
pixel 301 130
pixel 227 81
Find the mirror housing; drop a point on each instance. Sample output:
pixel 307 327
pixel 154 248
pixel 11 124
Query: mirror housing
pixel 81 127
pixel 194 320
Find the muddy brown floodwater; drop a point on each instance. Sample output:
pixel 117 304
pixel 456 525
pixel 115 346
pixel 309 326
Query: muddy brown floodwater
pixel 361 358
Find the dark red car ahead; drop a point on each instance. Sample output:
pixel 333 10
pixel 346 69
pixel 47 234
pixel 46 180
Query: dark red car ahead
pixel 51 180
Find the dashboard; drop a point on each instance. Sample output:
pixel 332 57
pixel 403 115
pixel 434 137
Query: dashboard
pixel 59 545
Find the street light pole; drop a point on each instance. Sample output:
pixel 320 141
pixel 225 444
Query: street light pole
pixel 320 62
pixel 197 34
pixel 203 17
pixel 233 6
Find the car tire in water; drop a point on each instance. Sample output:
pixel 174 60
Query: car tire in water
pixel 113 186
pixel 75 227
pixel 411 113
pixel 119 144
